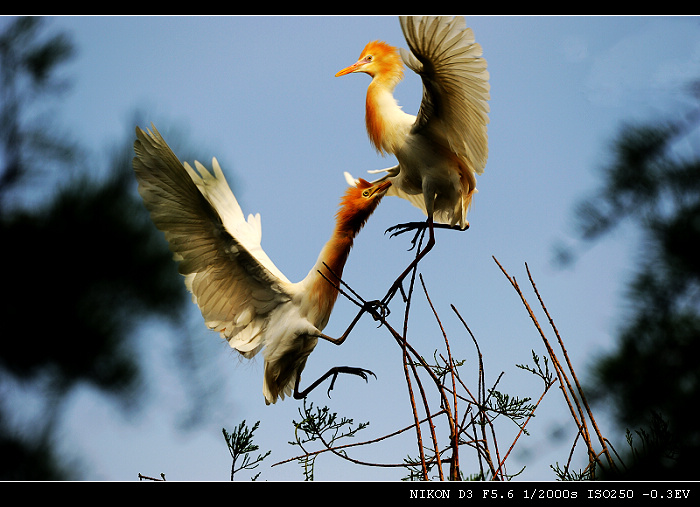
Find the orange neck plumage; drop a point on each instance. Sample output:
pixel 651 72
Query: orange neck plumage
pixel 380 106
pixel 350 218
pixel 374 121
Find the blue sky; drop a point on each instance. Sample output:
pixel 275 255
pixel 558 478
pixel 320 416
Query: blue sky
pixel 259 93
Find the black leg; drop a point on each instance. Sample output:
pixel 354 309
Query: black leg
pixel 419 227
pixel 429 245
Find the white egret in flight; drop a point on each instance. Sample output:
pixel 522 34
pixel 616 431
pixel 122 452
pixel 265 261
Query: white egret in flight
pixel 240 292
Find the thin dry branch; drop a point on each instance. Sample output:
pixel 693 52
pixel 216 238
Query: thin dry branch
pixel 573 373
pixel 473 425
pixel 565 385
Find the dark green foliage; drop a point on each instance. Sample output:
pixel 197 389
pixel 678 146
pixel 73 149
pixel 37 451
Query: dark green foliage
pixel 29 461
pixel 321 426
pixel 240 445
pixel 84 269
pixel 653 378
pixel 82 262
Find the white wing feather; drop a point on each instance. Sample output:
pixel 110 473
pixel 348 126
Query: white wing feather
pixel 454 108
pixel 232 280
pixel 456 90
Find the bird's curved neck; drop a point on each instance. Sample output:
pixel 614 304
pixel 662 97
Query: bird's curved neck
pixel 331 262
pixel 387 125
pixel 324 277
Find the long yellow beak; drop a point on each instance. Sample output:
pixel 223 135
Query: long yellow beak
pixel 384 186
pixel 347 70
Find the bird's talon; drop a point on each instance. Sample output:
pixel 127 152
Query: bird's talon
pixel 330 387
pixel 403 228
pixel 378 309
pixel 360 372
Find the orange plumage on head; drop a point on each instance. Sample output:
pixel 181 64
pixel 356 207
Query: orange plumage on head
pixel 385 57
pixel 353 212
pixel 352 198
pixel 348 216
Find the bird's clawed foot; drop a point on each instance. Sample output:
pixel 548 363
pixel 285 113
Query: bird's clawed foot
pixel 360 372
pixel 419 227
pixel 379 310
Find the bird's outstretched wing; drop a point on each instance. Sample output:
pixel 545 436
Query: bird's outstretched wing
pixel 456 90
pixel 232 280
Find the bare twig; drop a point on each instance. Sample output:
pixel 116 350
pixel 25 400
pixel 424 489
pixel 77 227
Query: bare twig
pixel 573 373
pixel 565 385
pixel 452 417
pixel 147 478
pixel 474 424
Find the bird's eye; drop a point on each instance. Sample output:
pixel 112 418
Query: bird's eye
pixel 365 193
pixel 368 58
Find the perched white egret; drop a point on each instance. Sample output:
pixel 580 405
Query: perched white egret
pixel 442 149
